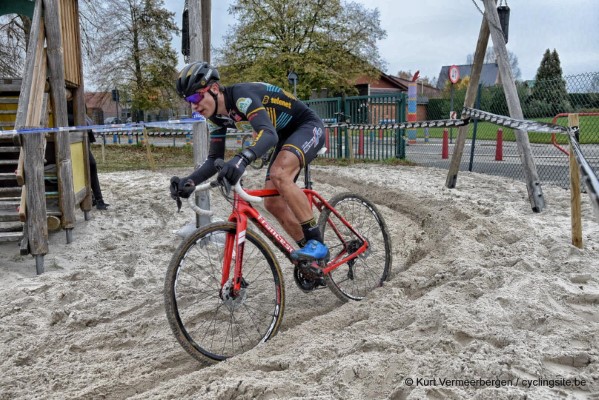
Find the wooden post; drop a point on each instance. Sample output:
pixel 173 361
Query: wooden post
pixel 149 150
pixel 533 183
pixel 206 28
pixel 197 50
pixel 29 108
pixel 37 229
pixel 79 113
pixel 477 67
pixel 64 166
pixel 575 207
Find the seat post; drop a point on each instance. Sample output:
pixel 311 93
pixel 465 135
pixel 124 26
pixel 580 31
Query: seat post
pixel 307 181
pixel 307 178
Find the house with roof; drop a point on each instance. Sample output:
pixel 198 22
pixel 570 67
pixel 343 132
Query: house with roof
pixel 389 84
pixel 489 75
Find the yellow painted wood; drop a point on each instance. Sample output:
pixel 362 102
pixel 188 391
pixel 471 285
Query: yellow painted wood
pixel 77 158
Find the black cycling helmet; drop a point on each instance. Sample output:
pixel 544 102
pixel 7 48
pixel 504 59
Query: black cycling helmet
pixel 195 76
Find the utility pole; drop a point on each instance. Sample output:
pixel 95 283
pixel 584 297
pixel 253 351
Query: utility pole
pixel 206 27
pixel 199 50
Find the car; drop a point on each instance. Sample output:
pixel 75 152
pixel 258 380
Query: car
pixel 111 120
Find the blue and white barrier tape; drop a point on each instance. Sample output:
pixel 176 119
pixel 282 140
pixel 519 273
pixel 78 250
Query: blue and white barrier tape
pixel 186 122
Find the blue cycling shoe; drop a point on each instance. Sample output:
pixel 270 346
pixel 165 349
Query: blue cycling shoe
pixel 312 251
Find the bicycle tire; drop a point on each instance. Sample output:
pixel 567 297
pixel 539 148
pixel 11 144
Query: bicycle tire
pixel 355 279
pixel 207 326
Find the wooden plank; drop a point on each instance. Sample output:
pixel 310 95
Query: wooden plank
pixel 10 191
pixel 10 236
pixel 10 138
pixel 9 204
pixel 11 227
pixel 19 172
pixel 9 215
pixel 7 176
pixel 10 149
pixel 23 205
pixel 35 70
pixel 575 205
pixel 55 54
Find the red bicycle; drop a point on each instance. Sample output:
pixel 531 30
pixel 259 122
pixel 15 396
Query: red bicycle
pixel 224 291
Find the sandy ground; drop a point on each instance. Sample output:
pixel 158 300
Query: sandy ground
pixel 486 299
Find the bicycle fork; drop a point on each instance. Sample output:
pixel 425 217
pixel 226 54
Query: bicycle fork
pixel 234 245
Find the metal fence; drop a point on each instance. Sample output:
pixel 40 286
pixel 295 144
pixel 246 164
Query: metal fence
pixel 366 142
pixel 489 148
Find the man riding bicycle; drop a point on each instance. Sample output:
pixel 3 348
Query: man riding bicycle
pixel 280 120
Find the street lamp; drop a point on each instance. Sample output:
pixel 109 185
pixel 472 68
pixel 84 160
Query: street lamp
pixel 293 79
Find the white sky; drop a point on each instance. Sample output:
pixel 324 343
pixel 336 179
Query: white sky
pixel 427 34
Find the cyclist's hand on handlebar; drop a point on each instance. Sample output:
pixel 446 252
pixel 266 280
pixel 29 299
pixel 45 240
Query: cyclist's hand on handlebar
pixel 233 169
pixel 181 187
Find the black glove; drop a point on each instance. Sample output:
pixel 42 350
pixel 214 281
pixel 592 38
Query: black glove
pixel 233 169
pixel 181 187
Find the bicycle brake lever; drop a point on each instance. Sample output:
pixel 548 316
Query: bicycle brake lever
pixel 227 186
pixel 219 163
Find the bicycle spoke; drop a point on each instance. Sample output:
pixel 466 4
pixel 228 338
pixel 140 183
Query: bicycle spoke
pixel 212 321
pixel 369 269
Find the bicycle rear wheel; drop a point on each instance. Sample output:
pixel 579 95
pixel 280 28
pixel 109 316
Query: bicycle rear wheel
pixel 356 278
pixel 209 323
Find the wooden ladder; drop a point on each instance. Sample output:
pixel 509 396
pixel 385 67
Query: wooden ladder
pixel 11 226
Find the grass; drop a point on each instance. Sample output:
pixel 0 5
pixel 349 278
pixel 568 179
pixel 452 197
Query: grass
pixel 134 157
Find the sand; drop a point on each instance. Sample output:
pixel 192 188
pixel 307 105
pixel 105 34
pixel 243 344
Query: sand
pixel 486 300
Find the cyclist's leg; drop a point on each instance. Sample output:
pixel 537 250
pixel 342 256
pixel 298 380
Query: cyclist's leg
pixel 278 206
pixel 300 148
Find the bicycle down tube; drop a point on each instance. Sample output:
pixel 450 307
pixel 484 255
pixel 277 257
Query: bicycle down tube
pixel 243 210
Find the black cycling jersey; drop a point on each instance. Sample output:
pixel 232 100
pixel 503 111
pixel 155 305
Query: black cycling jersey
pixel 273 113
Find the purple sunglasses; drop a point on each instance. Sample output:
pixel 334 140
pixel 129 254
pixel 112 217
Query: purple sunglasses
pixel 195 98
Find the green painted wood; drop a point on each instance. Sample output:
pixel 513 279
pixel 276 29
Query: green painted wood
pixel 22 7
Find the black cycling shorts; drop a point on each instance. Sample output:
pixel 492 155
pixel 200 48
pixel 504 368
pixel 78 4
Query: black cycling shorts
pixel 305 143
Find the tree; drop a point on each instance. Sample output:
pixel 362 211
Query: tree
pixel 129 48
pixel 322 41
pixel 491 58
pixel 14 33
pixel 549 95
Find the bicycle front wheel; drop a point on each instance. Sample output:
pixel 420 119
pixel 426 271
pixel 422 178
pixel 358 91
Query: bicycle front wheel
pixel 356 278
pixel 207 321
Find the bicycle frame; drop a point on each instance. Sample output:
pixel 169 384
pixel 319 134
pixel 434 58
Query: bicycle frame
pixel 244 211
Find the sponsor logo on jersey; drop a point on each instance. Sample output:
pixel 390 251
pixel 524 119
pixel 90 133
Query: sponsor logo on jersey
pixel 279 102
pixel 244 126
pixel 243 103
pixel 316 135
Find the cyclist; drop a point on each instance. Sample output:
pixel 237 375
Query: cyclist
pixel 280 120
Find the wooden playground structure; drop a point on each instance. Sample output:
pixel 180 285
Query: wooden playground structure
pixel 44 176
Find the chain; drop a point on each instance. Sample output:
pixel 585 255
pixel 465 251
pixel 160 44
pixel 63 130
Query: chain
pixel 518 124
pixel 406 125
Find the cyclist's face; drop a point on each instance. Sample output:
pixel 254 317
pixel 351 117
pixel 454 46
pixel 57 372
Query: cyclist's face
pixel 202 102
